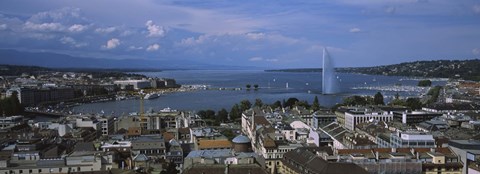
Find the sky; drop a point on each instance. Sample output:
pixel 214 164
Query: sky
pixel 262 33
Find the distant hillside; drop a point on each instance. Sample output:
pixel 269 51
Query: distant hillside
pixel 13 70
pixel 55 60
pixel 296 70
pixel 16 70
pixel 459 69
pixel 463 69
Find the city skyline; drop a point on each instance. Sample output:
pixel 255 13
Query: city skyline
pixel 248 33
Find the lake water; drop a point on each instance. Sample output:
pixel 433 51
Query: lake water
pixel 272 87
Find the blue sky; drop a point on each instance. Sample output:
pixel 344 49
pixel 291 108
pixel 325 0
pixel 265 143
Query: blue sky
pixel 272 34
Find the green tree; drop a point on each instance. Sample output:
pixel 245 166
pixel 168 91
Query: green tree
pixel 255 86
pixel 11 106
pixel 245 104
pixel 248 86
pixel 258 103
pixel 171 168
pixel 210 114
pixel 424 83
pixel 434 93
pixel 413 103
pixel 357 100
pixel 378 99
pixel 202 114
pixel 235 112
pixel 315 104
pixel 222 115
pixel 303 103
pixel 229 134
pixel 277 104
pixel 291 102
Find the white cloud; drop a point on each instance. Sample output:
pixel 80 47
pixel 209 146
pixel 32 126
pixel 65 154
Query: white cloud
pixel 105 30
pixel 126 33
pixel 258 59
pixel 355 30
pixel 255 36
pixel 154 30
pixel 111 44
pixel 192 41
pixel 44 26
pixel 476 9
pixel 253 59
pixel 135 48
pixel 77 28
pixel 62 15
pixel 3 26
pixel 390 10
pixel 476 51
pixel 153 47
pixel 72 42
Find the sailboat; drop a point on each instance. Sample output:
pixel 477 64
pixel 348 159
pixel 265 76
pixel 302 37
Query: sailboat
pixel 286 85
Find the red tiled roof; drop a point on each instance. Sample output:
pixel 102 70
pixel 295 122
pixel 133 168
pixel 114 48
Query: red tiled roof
pixel 211 144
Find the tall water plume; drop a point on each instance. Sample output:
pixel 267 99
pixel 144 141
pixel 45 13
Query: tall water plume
pixel 329 80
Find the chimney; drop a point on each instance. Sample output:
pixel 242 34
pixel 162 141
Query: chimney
pixel 432 150
pixel 377 156
pixel 417 155
pixel 394 150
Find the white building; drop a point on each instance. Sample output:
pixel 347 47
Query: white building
pixel 8 122
pixel 412 139
pixel 137 84
pixel 107 125
pixel 354 117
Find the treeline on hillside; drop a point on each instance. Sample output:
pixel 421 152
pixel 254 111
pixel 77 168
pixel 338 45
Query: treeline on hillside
pixel 463 69
pixel 457 69
pixel 15 70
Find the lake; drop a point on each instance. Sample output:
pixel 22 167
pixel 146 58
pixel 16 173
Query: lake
pixel 272 87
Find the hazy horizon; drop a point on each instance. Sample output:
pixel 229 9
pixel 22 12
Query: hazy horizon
pixel 265 34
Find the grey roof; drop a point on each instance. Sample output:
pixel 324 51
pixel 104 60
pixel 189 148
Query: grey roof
pixel 84 146
pixel 140 157
pixel 302 159
pixel 241 139
pixel 210 153
pixel 148 138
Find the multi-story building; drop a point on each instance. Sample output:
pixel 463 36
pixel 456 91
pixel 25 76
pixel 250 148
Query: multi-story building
pixel 34 96
pixel 149 145
pixel 87 122
pixel 175 153
pixel 8 122
pixel 219 156
pixel 306 160
pixel 354 117
pixel 408 139
pixel 107 124
pixel 137 84
pixel 320 119
pixel 414 117
pixel 464 150
pixel 403 160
